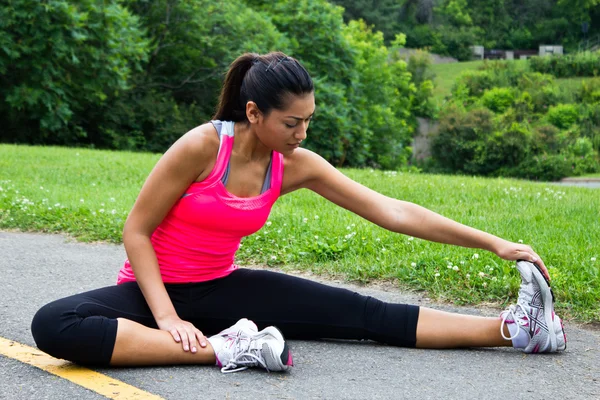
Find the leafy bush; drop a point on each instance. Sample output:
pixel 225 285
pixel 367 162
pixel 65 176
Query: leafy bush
pixel 475 82
pixel 498 99
pixel 582 147
pixel 547 139
pixel 419 66
pixel 589 91
pixel 578 64
pixel 563 116
pixel 59 60
pixel 460 137
pixel 507 147
pixel 542 167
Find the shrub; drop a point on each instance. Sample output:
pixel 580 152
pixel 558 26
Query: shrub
pixel 546 139
pixel 460 137
pixel 544 168
pixel 419 66
pixel 589 91
pixel 578 64
pixel 498 99
pixel 587 164
pixel 563 116
pixel 582 147
pixel 475 82
pixel 505 148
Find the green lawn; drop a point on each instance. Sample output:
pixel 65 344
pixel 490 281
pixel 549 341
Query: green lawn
pixel 446 74
pixel 88 193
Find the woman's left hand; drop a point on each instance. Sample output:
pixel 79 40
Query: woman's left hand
pixel 518 251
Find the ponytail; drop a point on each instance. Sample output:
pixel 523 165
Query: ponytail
pixel 265 80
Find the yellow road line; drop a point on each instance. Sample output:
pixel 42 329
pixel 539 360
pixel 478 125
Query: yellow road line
pixel 92 380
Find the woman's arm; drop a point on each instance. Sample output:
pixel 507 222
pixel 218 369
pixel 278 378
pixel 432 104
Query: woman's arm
pixel 181 165
pixel 316 174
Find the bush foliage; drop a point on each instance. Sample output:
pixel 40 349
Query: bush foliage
pixel 502 121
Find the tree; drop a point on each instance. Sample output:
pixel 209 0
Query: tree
pixel 58 60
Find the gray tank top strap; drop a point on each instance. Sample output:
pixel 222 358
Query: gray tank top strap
pixel 226 128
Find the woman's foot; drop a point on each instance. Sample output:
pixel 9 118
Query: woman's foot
pixel 241 346
pixel 532 323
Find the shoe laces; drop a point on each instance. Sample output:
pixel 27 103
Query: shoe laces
pixel 245 355
pixel 516 311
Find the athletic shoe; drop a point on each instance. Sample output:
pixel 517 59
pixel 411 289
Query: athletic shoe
pixel 239 348
pixel 533 325
pixel 244 325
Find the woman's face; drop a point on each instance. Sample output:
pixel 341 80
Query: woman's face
pixel 283 130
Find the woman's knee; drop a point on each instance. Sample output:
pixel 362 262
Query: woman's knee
pixel 46 327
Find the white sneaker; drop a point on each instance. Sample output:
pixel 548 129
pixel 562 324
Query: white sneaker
pixel 243 324
pixel 536 329
pixel 239 347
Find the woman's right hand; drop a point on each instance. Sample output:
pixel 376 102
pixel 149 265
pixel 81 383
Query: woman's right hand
pixel 183 332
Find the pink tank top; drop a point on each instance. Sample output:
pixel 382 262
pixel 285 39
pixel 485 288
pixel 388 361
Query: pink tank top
pixel 198 239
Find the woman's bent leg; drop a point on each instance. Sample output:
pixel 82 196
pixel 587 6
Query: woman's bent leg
pixel 108 326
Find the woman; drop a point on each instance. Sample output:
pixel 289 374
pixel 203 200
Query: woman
pixel 217 184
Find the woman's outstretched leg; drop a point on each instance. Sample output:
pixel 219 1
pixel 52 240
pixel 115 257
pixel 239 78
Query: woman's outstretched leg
pixel 442 330
pixel 530 324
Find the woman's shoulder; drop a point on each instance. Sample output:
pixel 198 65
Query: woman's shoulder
pixel 202 140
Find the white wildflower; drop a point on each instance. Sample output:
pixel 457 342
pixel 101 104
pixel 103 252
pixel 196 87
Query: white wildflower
pixel 413 264
pixel 481 274
pixel 113 212
pixel 455 268
pixel 520 240
pixel 437 274
pixel 593 259
pixel 305 220
pixel 411 238
pixel 316 217
pixel 268 223
pixel 475 256
pixel 468 276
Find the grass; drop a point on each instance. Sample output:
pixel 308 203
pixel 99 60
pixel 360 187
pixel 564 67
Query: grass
pixel 88 193
pixel 446 75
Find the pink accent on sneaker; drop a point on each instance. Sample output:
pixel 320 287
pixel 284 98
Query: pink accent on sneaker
pixel 290 361
pixel 536 348
pixel 218 362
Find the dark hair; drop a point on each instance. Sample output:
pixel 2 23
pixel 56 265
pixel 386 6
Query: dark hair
pixel 266 80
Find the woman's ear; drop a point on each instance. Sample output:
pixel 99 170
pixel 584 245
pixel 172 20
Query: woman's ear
pixel 252 112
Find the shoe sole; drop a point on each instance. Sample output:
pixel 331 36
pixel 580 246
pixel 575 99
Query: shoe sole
pixel 548 299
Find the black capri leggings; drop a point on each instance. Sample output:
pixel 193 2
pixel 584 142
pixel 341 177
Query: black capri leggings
pixel 83 328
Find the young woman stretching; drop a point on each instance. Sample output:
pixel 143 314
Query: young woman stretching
pixel 217 184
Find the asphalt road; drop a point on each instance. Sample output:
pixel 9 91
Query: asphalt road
pixel 36 268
